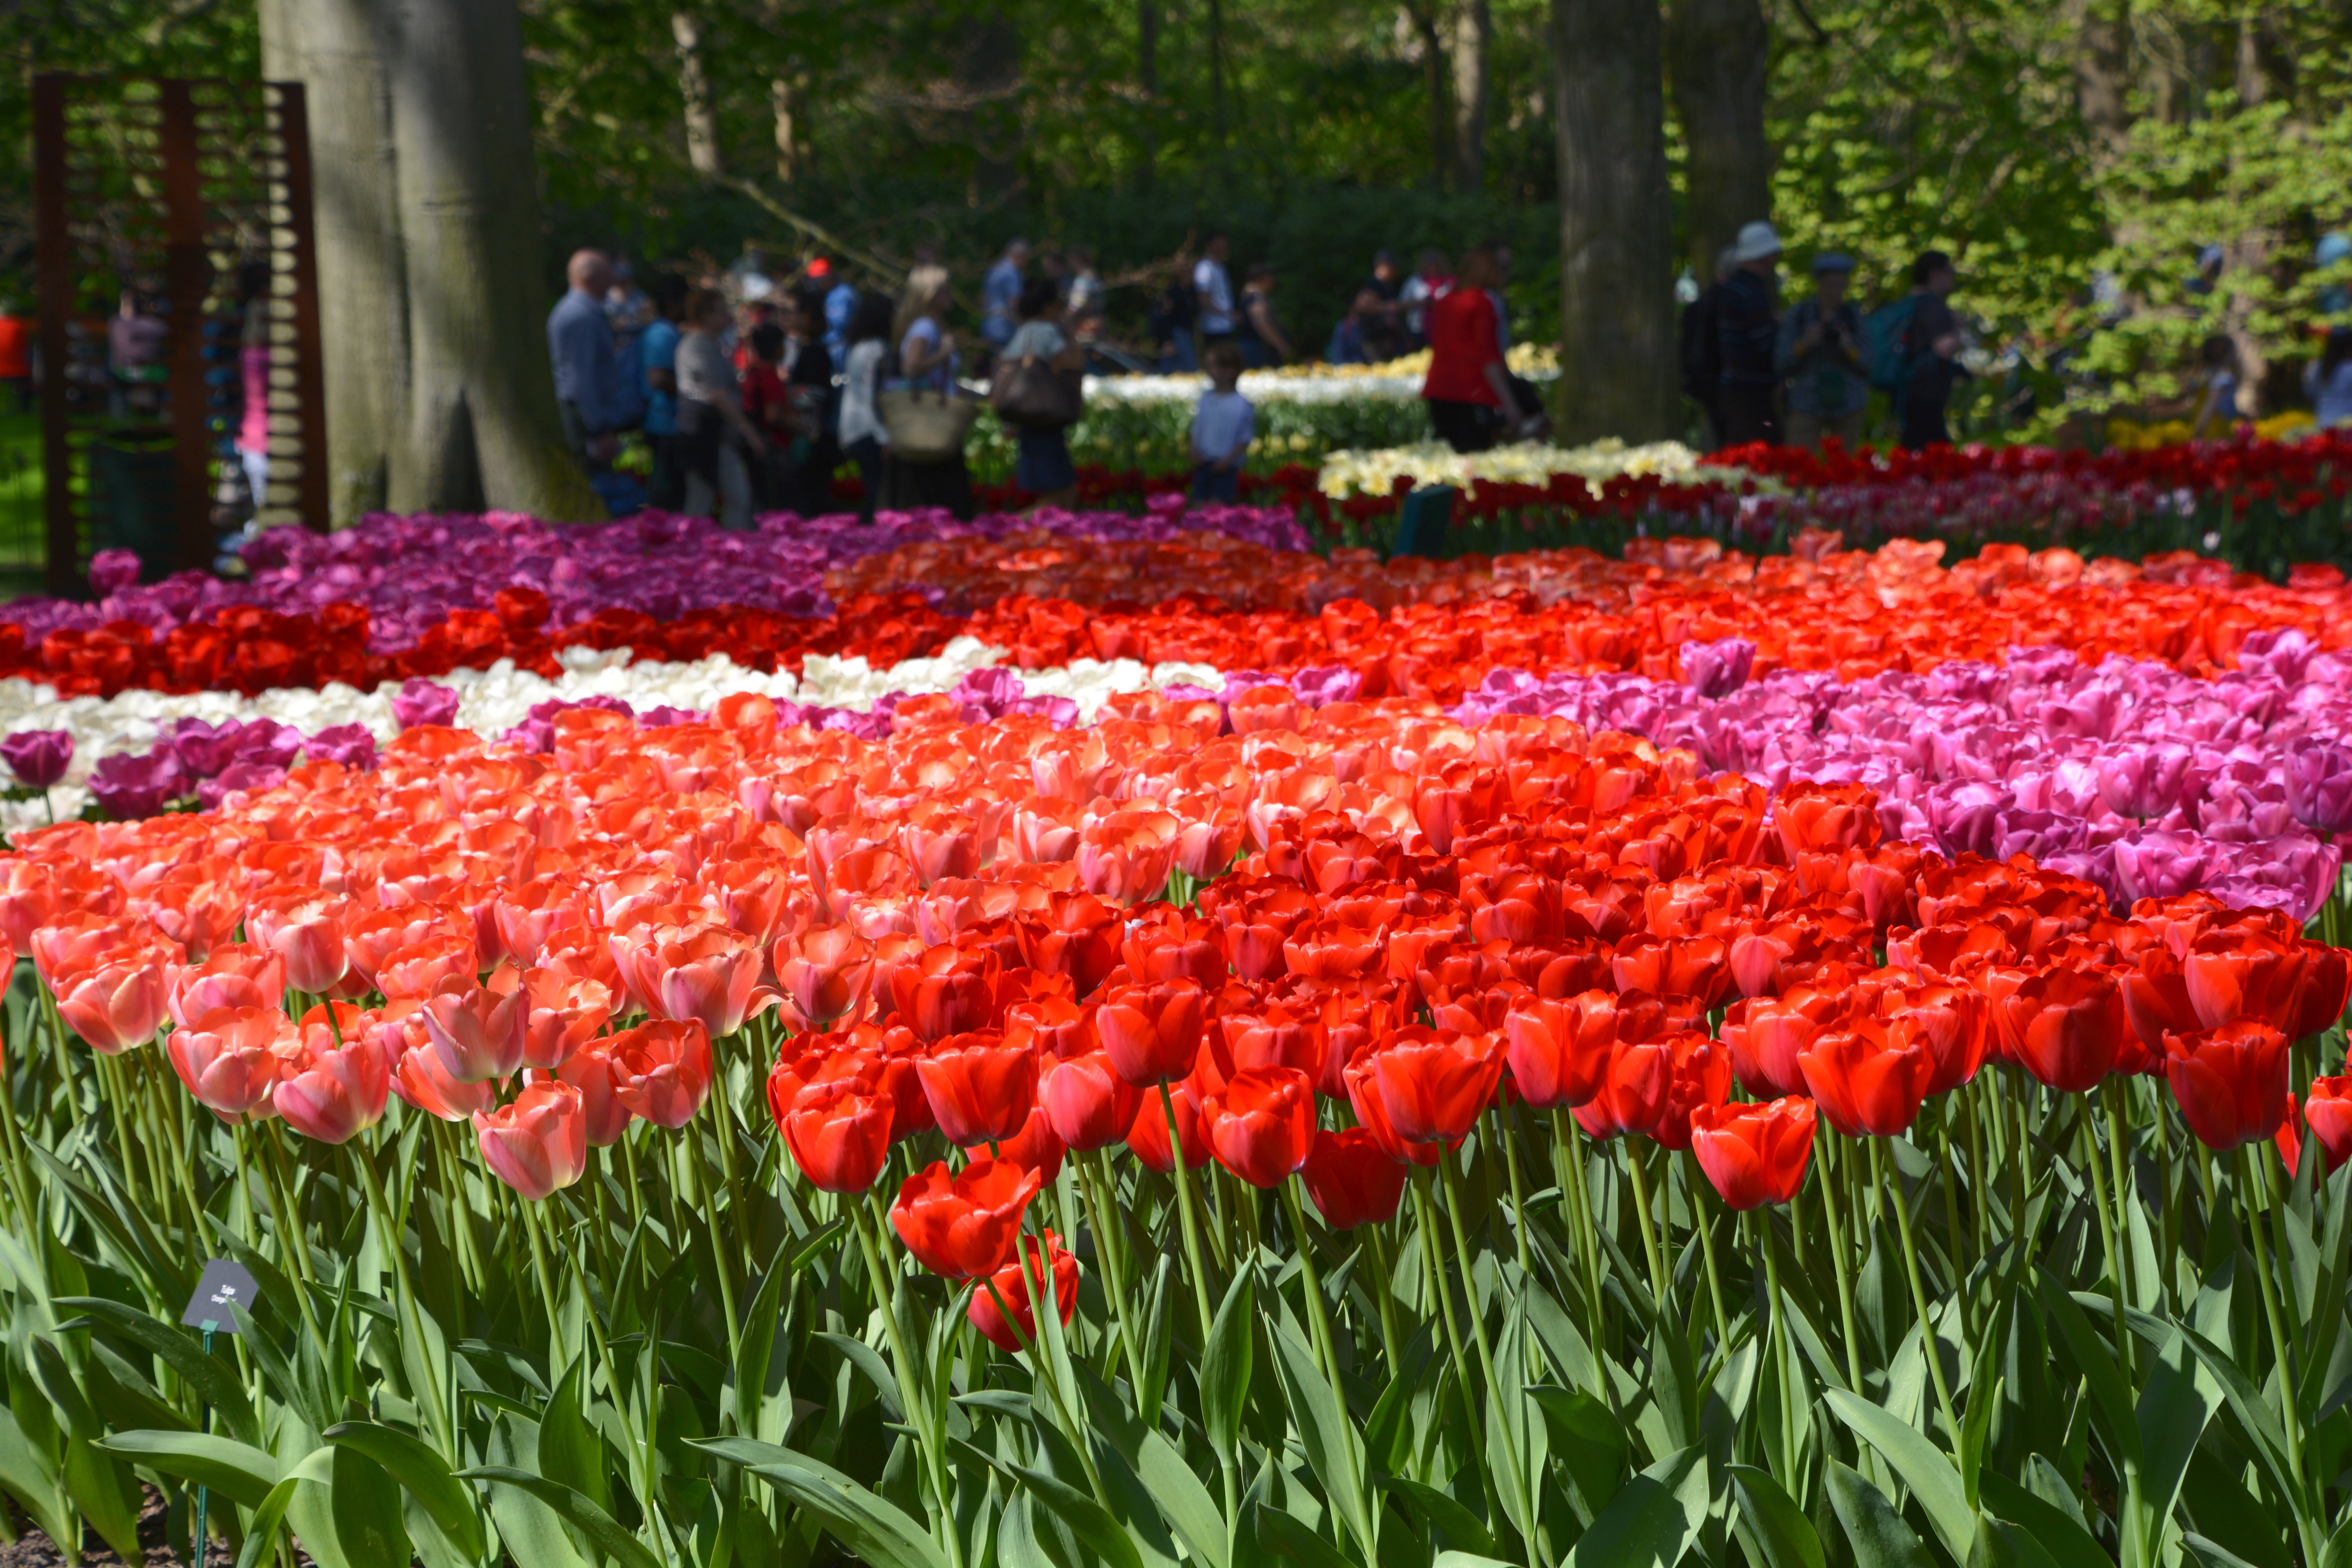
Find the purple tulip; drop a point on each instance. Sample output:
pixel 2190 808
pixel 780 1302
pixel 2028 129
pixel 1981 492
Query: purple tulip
pixel 2158 864
pixel 2318 785
pixel 665 716
pixel 352 745
pixel 1321 687
pixel 37 757
pixel 240 776
pixel 203 748
pixel 1717 668
pixel 131 785
pixel 2144 782
pixel 111 571
pixel 421 701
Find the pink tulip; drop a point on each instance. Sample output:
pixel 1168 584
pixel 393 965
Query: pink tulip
pixel 333 1095
pixel 117 1004
pixel 481 1032
pixel 539 1144
pixel 231 1064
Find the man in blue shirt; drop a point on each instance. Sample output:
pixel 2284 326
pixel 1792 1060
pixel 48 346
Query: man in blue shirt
pixel 587 369
pixel 658 381
pixel 1000 295
pixel 840 304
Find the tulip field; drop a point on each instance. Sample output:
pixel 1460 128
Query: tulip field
pixel 1102 1039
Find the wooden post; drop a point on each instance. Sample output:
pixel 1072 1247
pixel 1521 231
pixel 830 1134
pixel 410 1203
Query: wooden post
pixel 53 268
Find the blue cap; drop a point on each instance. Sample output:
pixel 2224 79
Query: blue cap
pixel 2333 247
pixel 1833 261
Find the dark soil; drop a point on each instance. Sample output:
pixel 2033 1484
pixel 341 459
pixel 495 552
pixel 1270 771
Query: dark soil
pixel 34 1549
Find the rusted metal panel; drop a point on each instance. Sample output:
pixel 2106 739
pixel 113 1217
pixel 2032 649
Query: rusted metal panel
pixel 53 269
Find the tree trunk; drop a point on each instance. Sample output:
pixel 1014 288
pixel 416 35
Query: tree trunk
pixel 1616 238
pixel 987 78
pixel 339 49
pixel 791 150
pixel 439 395
pixel 2102 76
pixel 694 85
pixel 1715 56
pixel 1434 75
pixel 1472 30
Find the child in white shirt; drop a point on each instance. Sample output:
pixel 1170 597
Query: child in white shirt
pixel 1223 425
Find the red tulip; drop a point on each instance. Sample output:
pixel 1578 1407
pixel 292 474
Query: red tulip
pixel 1950 1022
pixel 1262 1124
pixel 590 1070
pixel 962 1225
pixel 2327 1111
pixel 2066 1026
pixel 1013 1284
pixel 1766 1034
pixel 1090 1106
pixel 948 991
pixel 2234 973
pixel 1273 1035
pixel 1351 1179
pixel 1148 1135
pixel 1701 1076
pixel 537 1144
pixel 231 1063
pixel 1076 934
pixel 839 1134
pixel 662 1071
pixel 1868 1078
pixel 2320 992
pixel 2230 1082
pixel 1755 1154
pixel 1436 1089
pixel 1035 1147
pixel 980 1086
pixel 2156 998
pixel 1633 1091
pixel 1667 966
pixel 1152 1032
pixel 1558 1050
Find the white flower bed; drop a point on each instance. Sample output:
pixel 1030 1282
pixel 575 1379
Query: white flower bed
pixel 1527 462
pixel 494 700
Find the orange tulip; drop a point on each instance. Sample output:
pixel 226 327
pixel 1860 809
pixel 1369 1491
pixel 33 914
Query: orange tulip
pixel 116 1004
pixel 662 1071
pixel 480 1032
pixel 565 1013
pixel 825 972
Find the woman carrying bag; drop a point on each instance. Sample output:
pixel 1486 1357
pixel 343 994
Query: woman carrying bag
pixel 1037 391
pixel 928 420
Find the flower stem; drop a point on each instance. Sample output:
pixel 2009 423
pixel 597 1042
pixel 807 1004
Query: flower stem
pixel 1894 1180
pixel 2107 1236
pixel 1452 1176
pixel 1844 1272
pixel 910 1389
pixel 1650 1247
pixel 1705 1222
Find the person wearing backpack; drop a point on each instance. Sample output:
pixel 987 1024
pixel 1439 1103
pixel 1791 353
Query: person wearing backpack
pixel 1931 346
pixel 1820 355
pixel 1702 358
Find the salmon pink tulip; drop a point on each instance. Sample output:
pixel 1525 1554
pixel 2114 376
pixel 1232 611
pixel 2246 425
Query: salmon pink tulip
pixel 538 1144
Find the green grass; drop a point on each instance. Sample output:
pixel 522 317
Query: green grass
pixel 22 552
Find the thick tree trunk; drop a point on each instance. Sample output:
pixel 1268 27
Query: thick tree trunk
pixel 1715 59
pixel 1473 31
pixel 339 49
pixel 439 395
pixel 1616 237
pixel 694 86
pixel 482 420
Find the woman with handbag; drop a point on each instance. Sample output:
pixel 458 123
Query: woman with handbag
pixel 926 417
pixel 714 434
pixel 1038 390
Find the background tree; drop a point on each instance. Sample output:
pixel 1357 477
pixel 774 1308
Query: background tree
pixel 1717 52
pixel 438 391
